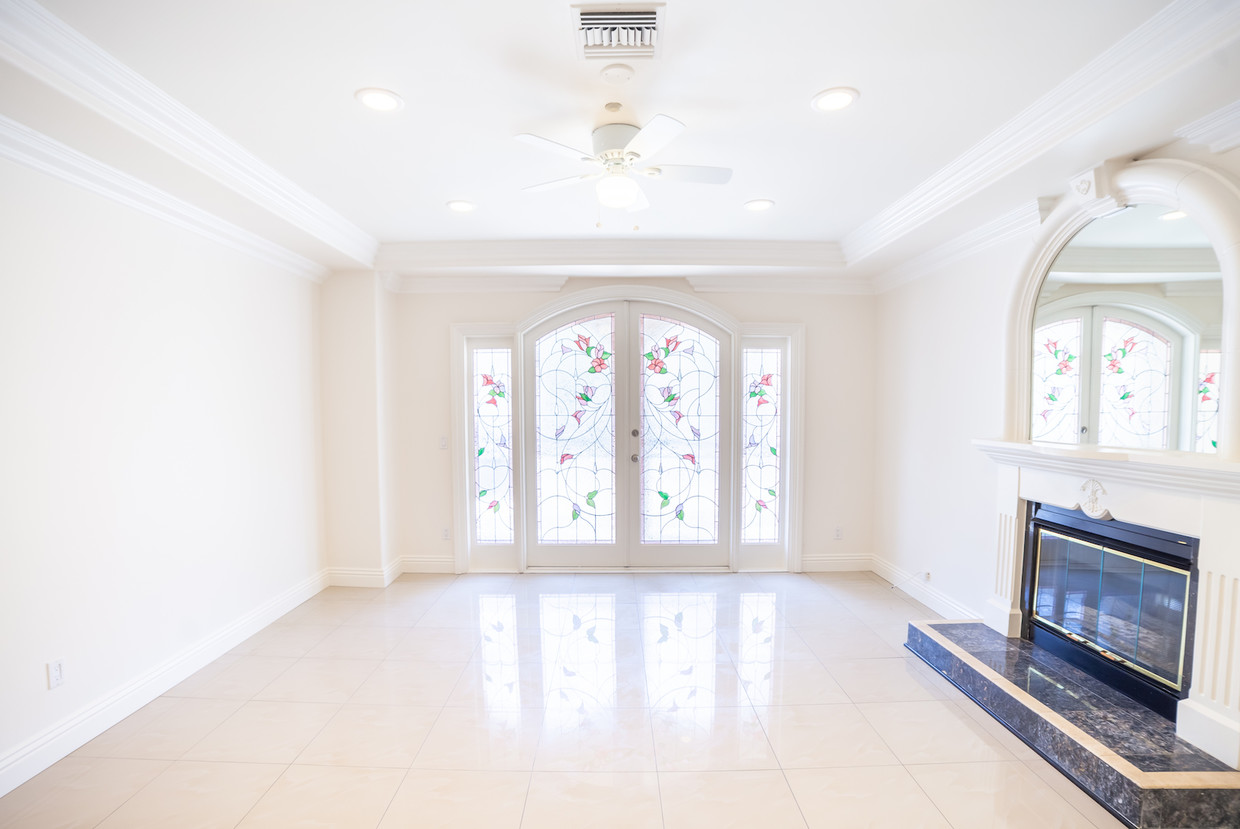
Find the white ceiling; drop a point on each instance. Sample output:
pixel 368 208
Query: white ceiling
pixel 969 110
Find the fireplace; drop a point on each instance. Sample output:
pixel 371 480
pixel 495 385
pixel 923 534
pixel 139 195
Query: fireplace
pixel 1115 599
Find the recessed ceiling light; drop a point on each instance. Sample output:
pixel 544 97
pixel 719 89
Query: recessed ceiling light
pixel 835 98
pixel 759 204
pixel 380 100
pixel 1173 215
pixel 459 206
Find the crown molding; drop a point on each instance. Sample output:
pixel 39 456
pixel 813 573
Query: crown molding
pixel 502 283
pixel 1022 221
pixel 42 44
pixel 1219 131
pixel 812 283
pixel 413 257
pixel 20 144
pixel 1183 33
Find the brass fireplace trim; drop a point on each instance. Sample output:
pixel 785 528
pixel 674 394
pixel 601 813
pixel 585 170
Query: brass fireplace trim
pixel 1103 652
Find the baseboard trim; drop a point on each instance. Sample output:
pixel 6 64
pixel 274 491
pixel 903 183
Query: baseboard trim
pixel 922 590
pixel 428 564
pixel 358 577
pixel 835 564
pixel 36 754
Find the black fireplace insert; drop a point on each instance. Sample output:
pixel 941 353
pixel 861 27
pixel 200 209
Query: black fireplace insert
pixel 1115 599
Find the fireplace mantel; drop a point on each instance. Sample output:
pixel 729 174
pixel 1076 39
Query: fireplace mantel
pixel 1191 494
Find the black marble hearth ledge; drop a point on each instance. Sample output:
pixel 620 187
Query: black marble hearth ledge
pixel 1123 755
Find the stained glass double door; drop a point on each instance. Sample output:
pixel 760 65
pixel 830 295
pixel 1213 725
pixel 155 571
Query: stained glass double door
pixel 630 419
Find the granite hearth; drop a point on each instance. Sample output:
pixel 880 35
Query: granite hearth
pixel 1125 756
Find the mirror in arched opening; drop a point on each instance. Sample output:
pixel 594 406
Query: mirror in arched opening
pixel 1126 337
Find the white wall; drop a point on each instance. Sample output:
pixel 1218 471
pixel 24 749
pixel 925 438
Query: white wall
pixel 941 342
pixel 837 455
pixel 159 459
pixel 941 385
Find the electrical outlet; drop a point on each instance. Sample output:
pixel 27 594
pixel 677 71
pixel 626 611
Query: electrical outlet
pixel 443 442
pixel 447 535
pixel 839 533
pixel 55 674
pixel 926 575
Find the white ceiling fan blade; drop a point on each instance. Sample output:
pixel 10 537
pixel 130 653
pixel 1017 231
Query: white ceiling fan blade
pixel 560 182
pixel 641 204
pixel 555 147
pixel 654 136
pixel 692 173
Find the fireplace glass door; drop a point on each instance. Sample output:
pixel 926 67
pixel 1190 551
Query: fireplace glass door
pixel 1131 610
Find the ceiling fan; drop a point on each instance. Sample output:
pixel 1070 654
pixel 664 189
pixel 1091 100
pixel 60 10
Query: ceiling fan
pixel 622 151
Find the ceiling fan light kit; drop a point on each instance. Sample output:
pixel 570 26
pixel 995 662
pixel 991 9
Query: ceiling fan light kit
pixel 617 150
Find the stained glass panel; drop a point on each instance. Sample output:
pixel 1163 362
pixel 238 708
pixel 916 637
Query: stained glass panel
pixel 1057 382
pixel 760 406
pixel 575 433
pixel 1208 368
pixel 679 433
pixel 493 446
pixel 1134 388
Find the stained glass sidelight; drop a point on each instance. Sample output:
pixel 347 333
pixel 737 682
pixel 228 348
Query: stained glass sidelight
pixel 575 433
pixel 492 446
pixel 1057 382
pixel 1134 387
pixel 760 407
pixel 679 433
pixel 1208 369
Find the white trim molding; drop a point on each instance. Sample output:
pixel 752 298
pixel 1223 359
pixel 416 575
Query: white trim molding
pixel 20 144
pixel 1022 221
pixel 1220 130
pixel 42 44
pixel 28 759
pixel 1183 33
pixel 404 284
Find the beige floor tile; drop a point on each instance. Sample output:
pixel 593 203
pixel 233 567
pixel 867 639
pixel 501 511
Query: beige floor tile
pixel 873 797
pixel 465 739
pixel 319 611
pixel 264 731
pixel 163 730
pixel 293 641
pixel 358 642
pixel 376 736
pixel 76 793
pixel 601 800
pixel 236 678
pixel 823 736
pixel 933 732
pixel 618 739
pixel 728 800
pixel 400 682
pixel 711 739
pixel 195 795
pixel 319 680
pixel 438 645
pixel 986 795
pixel 451 799
pixel 1074 795
pixel 854 641
pixel 887 680
pixel 499 684
pixel 790 683
pixel 330 797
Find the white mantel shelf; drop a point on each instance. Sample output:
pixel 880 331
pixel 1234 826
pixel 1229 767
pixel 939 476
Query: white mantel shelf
pixel 1188 493
pixel 1173 471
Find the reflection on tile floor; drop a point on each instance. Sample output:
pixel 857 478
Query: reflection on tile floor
pixel 628 700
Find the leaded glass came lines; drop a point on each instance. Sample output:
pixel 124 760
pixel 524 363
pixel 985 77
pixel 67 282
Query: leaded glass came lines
pixel 760 472
pixel 1211 363
pixel 1135 386
pixel 575 437
pixel 1057 382
pixel 679 433
pixel 493 446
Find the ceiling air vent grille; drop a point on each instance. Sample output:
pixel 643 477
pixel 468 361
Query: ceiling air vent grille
pixel 624 33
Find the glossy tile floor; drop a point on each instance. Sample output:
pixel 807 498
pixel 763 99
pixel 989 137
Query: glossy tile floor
pixel 576 701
